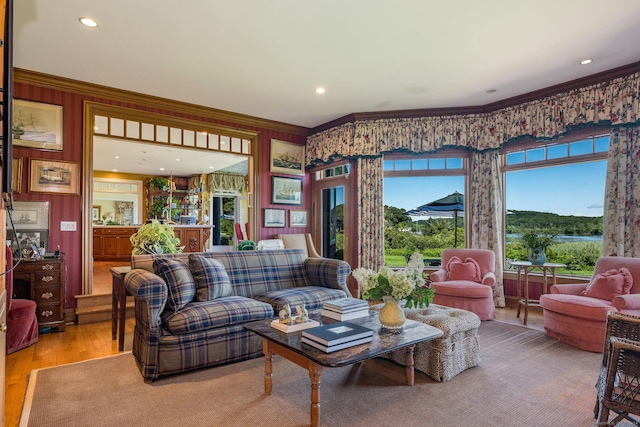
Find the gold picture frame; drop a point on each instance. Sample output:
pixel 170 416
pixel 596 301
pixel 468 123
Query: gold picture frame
pixel 96 213
pixel 48 176
pixel 287 157
pixel 16 175
pixel 37 125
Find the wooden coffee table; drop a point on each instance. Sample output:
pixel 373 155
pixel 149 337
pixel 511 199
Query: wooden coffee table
pixel 290 347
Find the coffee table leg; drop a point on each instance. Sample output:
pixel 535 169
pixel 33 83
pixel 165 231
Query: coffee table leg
pixel 408 360
pixel 268 359
pixel 315 373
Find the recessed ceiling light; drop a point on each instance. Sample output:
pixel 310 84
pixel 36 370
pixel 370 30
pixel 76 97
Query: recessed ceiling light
pixel 88 22
pixel 320 90
pixel 210 167
pixel 161 169
pixel 114 170
pixel 177 160
pixel 586 61
pixel 116 157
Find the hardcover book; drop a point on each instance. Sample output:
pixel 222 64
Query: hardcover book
pixel 345 304
pixel 329 349
pixel 337 333
pixel 345 316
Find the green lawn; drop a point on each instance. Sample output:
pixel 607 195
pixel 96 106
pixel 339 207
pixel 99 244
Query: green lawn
pixel 395 261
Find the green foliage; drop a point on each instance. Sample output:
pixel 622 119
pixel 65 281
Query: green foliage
pixel 556 224
pixel 155 238
pixel 112 222
pixel 155 210
pixel 533 240
pixel 394 216
pixel 158 182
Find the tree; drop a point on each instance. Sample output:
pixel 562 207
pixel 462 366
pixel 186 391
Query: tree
pixel 394 216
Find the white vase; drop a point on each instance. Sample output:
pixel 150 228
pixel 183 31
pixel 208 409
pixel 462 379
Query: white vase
pixel 391 315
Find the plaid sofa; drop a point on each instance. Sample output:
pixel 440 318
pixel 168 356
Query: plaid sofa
pixel 210 333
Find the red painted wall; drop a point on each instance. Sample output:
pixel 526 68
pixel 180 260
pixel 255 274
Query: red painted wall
pixel 69 207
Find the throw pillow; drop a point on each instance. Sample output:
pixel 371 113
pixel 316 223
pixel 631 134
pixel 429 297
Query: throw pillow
pixel 177 276
pixel 467 270
pixel 609 284
pixel 211 278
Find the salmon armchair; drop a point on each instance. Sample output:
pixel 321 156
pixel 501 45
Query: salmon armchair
pixel 576 314
pixel 466 281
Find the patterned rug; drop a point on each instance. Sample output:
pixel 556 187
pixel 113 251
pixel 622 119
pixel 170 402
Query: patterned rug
pixel 525 379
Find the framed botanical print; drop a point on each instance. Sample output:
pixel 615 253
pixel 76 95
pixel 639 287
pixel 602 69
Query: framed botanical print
pixel 274 217
pixel 287 157
pixel 47 176
pixel 286 191
pixel 37 125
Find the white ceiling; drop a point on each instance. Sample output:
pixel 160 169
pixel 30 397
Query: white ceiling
pixel 265 58
pixel 111 154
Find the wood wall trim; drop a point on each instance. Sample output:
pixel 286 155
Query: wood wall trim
pixel 488 108
pixel 94 90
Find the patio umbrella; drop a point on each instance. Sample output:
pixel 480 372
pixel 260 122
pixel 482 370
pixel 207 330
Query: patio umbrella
pixel 449 205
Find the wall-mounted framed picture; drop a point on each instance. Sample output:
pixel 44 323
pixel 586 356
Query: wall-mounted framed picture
pixel 16 175
pixel 286 191
pixel 37 125
pixel 274 217
pixel 29 216
pixel 95 213
pixel 47 176
pixel 287 157
pixel 297 218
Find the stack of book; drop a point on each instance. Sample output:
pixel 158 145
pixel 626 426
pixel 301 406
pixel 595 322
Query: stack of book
pixel 345 309
pixel 336 336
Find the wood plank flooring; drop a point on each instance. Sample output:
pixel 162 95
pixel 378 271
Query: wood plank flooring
pixel 93 340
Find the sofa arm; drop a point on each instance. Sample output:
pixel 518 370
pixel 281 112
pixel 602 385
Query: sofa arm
pixel 327 272
pixel 627 302
pixel 569 289
pixel 152 289
pixel 489 279
pixel 438 276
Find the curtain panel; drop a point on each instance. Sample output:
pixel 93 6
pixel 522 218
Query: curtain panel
pixel 621 227
pixel 370 213
pixel 614 102
pixel 486 209
pixel 226 181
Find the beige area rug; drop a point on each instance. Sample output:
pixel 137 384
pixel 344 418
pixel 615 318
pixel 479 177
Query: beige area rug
pixel 525 379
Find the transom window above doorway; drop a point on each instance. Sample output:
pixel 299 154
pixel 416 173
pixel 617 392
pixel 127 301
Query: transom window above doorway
pixel 132 129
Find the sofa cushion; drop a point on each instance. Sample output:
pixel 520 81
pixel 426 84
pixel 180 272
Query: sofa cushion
pixel 311 296
pixel 467 270
pixel 176 274
pixel 609 284
pixel 577 306
pixel 462 288
pixel 210 277
pixel 220 312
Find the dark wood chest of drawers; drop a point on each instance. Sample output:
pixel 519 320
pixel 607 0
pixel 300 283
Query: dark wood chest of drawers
pixel 42 281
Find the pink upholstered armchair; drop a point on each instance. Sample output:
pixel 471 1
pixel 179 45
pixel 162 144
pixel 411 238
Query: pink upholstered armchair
pixel 466 281
pixel 577 313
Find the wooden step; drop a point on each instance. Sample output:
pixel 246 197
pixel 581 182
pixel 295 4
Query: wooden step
pixel 90 313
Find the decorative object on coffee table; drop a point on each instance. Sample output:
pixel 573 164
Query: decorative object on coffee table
pixel 391 315
pixel 406 283
pixel 537 243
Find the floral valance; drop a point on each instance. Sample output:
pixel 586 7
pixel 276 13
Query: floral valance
pixel 615 102
pixel 228 181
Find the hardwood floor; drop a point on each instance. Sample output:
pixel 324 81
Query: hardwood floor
pixel 101 283
pixel 76 343
pixel 93 340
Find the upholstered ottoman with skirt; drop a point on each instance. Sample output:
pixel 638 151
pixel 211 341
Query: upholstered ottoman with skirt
pixel 457 350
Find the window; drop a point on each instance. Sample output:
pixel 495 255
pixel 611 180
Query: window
pixel 558 189
pixel 411 181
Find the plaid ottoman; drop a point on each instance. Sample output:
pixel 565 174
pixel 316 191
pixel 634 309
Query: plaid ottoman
pixel 445 357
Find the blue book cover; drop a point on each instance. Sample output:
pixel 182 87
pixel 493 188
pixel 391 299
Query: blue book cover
pixel 337 333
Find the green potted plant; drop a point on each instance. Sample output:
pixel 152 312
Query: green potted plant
pixel 155 238
pixel 537 243
pixel 158 183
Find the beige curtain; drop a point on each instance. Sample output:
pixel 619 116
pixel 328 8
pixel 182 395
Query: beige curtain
pixel 485 212
pixel 621 234
pixel 370 213
pixel 226 181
